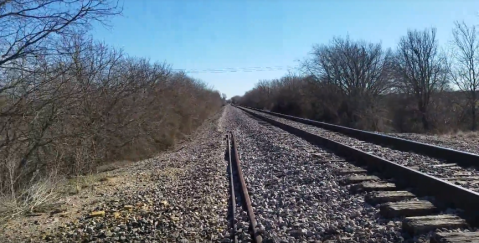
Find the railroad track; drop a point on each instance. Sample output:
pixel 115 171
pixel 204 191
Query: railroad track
pixel 448 164
pixel 460 158
pixel 425 202
pixel 241 216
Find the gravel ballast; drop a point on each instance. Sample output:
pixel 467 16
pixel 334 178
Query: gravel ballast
pixel 296 196
pixel 419 162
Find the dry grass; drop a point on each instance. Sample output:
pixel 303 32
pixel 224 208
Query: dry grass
pixel 36 198
pixel 85 182
pixel 45 196
pixel 113 166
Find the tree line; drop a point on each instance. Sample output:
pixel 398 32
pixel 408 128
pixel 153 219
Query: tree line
pixel 69 104
pixel 417 87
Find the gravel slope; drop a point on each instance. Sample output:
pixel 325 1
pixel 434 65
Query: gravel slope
pixel 296 197
pixel 420 162
pixel 179 196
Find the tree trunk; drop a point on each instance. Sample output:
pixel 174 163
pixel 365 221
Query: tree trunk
pixel 425 122
pixel 473 111
pixel 424 118
pixel 473 128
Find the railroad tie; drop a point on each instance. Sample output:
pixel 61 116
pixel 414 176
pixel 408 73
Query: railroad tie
pixel 373 186
pixel 379 197
pixel 351 171
pixel 358 179
pixel 455 237
pixel 407 209
pixel 424 224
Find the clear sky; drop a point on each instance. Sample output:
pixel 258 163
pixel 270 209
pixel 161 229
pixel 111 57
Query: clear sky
pixel 262 39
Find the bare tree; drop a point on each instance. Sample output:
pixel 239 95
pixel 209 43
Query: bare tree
pixel 356 68
pixel 264 89
pixel 28 28
pixel 465 70
pixel 69 104
pixel 421 69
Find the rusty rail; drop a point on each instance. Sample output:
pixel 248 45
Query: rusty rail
pixel 233 197
pixel 256 237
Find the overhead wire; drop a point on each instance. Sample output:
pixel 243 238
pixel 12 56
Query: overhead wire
pixel 235 69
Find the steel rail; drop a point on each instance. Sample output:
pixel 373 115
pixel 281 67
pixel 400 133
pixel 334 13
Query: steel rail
pixel 451 155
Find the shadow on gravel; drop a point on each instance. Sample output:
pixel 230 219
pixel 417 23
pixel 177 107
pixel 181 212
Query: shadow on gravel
pixel 230 213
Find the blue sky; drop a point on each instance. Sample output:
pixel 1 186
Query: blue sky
pixel 204 35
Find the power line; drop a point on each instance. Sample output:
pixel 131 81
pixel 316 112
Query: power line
pixel 235 70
